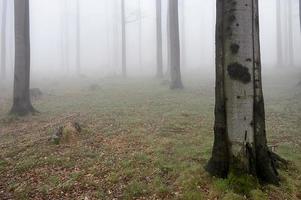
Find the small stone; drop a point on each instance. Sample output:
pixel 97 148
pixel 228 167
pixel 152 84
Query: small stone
pixel 67 133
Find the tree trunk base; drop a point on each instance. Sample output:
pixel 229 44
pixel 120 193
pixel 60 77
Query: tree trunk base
pixel 217 168
pixel 21 110
pixel 267 165
pixel 177 85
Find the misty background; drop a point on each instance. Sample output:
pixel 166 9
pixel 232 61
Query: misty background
pixel 53 38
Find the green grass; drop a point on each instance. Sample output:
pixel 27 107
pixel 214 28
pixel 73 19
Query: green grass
pixel 139 140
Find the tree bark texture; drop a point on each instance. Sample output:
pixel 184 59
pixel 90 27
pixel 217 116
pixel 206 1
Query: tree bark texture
pixel 174 45
pixel 240 144
pixel 159 39
pixel 3 39
pixel 21 100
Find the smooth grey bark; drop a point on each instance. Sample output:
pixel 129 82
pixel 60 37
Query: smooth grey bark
pixel 108 42
pixel 159 39
pixel 174 45
pixel 140 35
pixel 183 36
pixel 116 49
pixel 279 34
pixel 240 144
pixel 78 39
pixel 21 100
pixel 167 74
pixel 65 36
pixel 300 13
pixel 290 34
pixel 123 39
pixel 3 39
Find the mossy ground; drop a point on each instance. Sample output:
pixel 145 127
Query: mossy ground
pixel 140 140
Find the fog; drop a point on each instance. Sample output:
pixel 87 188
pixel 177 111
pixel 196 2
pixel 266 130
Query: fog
pixel 53 27
pixel 126 99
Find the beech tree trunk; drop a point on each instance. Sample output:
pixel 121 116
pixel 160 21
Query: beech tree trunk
pixel 240 144
pixel 300 13
pixel 78 41
pixel 21 102
pixel 123 39
pixel 159 39
pixel 3 39
pixel 167 74
pixel 140 35
pixel 279 35
pixel 65 36
pixel 174 45
pixel 183 36
pixel 290 34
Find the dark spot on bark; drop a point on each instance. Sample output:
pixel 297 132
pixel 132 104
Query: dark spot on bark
pixel 239 72
pixel 249 60
pixel 237 24
pixel 232 18
pixel 234 48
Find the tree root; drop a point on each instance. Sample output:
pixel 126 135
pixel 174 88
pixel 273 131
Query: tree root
pixel 278 161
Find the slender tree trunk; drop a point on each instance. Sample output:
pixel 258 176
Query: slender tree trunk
pixel 290 34
pixel 159 39
pixel 65 36
pixel 3 39
pixel 115 49
pixel 140 35
pixel 174 45
pixel 300 13
pixel 240 144
pixel 21 102
pixel 78 39
pixel 123 39
pixel 183 36
pixel 279 34
pixel 168 44
pixel 108 43
pixel 62 25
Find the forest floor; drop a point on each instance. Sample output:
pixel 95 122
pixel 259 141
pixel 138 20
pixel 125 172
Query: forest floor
pixel 140 140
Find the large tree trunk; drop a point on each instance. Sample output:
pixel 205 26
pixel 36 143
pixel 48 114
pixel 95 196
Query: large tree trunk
pixel 159 39
pixel 240 144
pixel 279 34
pixel 174 45
pixel 123 39
pixel 78 41
pixel 3 40
pixel 21 101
